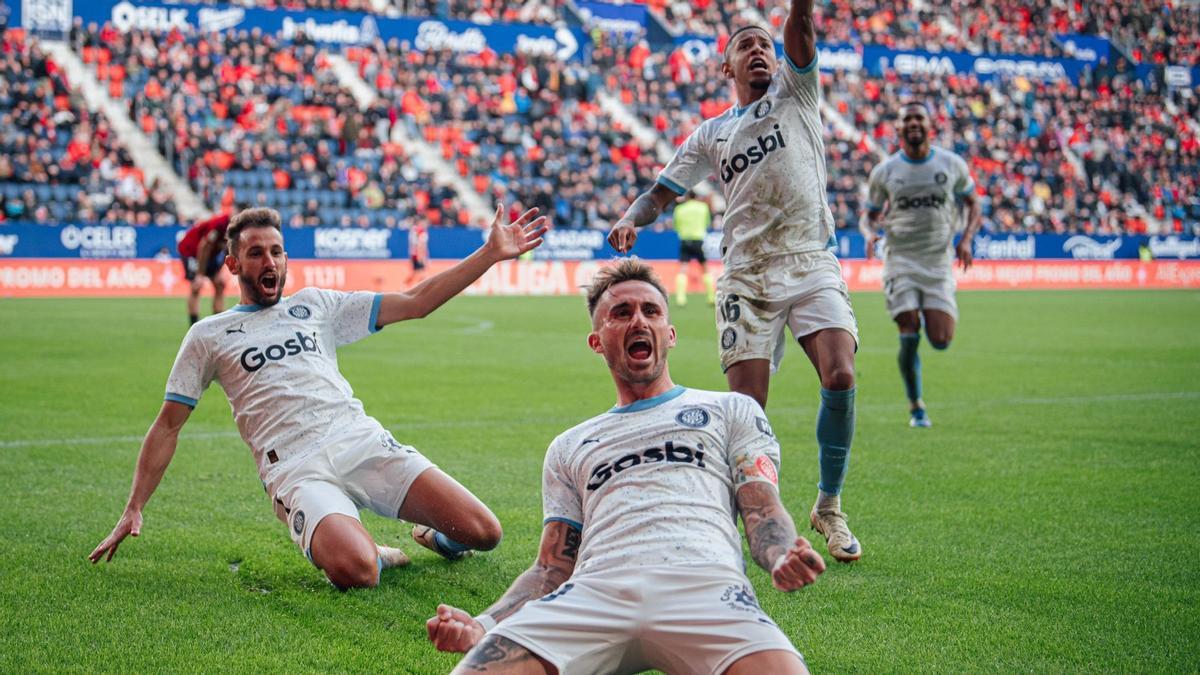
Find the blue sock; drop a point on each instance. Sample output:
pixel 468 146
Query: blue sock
pixel 910 364
pixel 379 561
pixel 835 430
pixel 448 545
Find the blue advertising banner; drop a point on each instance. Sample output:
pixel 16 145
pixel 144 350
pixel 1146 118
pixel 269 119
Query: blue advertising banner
pixel 627 20
pixel 878 59
pixel 124 242
pixel 1084 47
pixel 341 28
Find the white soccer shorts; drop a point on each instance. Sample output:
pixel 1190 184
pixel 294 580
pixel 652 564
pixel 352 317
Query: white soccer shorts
pixel 362 467
pixel 803 291
pixel 676 619
pixel 908 291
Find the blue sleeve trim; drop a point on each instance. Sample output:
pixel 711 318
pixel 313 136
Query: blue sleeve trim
pixel 797 69
pixel 374 326
pixel 568 521
pixel 672 185
pixel 873 208
pixel 180 398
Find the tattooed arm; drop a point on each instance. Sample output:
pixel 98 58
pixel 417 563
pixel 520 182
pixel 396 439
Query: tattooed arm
pixel 772 536
pixel 643 211
pixel 453 630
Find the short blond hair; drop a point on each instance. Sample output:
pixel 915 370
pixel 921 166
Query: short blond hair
pixel 626 269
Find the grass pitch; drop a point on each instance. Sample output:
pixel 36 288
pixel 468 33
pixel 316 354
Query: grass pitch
pixel 1047 522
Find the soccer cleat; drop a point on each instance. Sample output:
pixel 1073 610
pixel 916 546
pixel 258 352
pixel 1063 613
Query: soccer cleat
pixel 843 545
pixel 427 537
pixel 392 557
pixel 920 419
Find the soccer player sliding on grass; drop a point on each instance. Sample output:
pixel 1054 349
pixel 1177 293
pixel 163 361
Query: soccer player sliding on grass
pixel 321 458
pixel 641 563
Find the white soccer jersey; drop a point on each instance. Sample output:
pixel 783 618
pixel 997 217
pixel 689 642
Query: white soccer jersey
pixel 653 483
pixel 922 208
pixel 769 158
pixel 278 367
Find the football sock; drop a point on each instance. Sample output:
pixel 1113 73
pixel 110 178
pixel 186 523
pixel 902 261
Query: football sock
pixel 194 317
pixel 709 288
pixel 448 545
pixel 835 430
pixel 681 287
pixel 910 365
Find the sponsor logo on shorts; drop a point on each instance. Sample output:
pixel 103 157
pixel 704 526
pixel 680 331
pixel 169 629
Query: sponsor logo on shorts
pixel 387 442
pixel 298 522
pixel 669 453
pixel 728 338
pixel 300 311
pixel 741 597
pixel 693 417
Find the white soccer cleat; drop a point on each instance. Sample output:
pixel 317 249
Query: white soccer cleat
pixel 392 557
pixel 843 545
pixel 426 536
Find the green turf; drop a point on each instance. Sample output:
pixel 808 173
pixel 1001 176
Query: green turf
pixel 1048 522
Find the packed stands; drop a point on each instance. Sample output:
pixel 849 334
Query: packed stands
pixel 247 119
pixel 524 130
pixel 58 161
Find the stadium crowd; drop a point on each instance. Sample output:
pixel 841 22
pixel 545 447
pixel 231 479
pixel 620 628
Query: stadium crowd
pixel 245 117
pixel 59 161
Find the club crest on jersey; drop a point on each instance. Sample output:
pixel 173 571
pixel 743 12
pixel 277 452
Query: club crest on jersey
pixel 300 311
pixel 298 522
pixel 763 146
pixel 762 109
pixel 728 337
pixel 941 178
pixel 692 417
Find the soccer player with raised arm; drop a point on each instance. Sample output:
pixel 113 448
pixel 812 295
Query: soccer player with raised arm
pixel 321 458
pixel 914 195
pixel 641 563
pixel 768 155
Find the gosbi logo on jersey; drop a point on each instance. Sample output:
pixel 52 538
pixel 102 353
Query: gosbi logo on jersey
pixel 254 358
pixel 763 146
pixel 668 453
pixel 923 202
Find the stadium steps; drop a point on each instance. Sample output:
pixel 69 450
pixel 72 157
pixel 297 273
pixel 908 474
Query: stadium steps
pixel 154 167
pixel 426 155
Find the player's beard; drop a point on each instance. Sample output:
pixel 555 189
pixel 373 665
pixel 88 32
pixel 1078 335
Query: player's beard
pixel 760 83
pixel 261 298
pixel 636 376
pixel 914 138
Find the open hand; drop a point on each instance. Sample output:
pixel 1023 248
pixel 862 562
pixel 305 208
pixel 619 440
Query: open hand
pixel 129 524
pixel 523 234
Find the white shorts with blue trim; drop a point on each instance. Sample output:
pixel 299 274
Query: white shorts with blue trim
pixel 804 292
pixel 908 291
pixel 361 467
pixel 675 619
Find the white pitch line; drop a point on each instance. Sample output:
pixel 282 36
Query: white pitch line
pixel 542 421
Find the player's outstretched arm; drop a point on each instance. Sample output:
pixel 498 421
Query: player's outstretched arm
pixel 772 536
pixel 644 210
pixel 453 630
pixel 800 34
pixel 157 450
pixel 964 251
pixel 505 242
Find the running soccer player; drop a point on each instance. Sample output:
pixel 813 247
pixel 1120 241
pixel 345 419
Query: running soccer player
pixel 692 218
pixel 418 253
pixel 321 458
pixel 202 251
pixel 920 187
pixel 640 564
pixel 769 156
